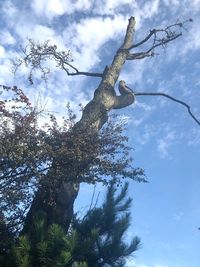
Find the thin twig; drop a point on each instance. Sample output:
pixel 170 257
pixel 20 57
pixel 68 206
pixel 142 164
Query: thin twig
pixel 168 31
pixel 164 42
pixel 144 40
pixel 91 74
pixel 160 38
pixel 140 55
pixel 173 99
pixel 97 199
pixel 93 194
pixel 35 54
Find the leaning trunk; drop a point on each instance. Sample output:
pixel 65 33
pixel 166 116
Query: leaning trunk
pixel 56 203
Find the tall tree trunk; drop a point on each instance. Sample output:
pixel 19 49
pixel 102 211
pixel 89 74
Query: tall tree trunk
pixel 94 116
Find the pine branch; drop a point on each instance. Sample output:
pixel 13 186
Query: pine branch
pixel 173 99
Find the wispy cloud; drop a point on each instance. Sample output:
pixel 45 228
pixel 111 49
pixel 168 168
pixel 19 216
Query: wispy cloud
pixel 9 9
pixel 163 144
pixel 147 134
pixel 193 139
pixel 132 262
pixel 86 43
pixel 6 38
pixel 161 265
pixel 178 216
pixel 2 52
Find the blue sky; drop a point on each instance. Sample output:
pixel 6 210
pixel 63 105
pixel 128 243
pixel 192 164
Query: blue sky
pixel 166 141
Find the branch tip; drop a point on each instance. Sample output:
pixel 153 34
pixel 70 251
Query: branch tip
pixel 173 99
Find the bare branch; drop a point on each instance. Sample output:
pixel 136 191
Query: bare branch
pixel 163 41
pixel 37 54
pixel 160 38
pixel 134 56
pixel 173 99
pixel 169 34
pixel 150 52
pixel 91 74
pixel 152 32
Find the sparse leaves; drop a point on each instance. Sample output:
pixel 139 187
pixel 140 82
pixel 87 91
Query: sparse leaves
pixel 36 56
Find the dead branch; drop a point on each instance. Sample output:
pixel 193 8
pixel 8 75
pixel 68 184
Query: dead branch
pixel 150 52
pixel 160 38
pixel 36 54
pixel 134 56
pixel 173 99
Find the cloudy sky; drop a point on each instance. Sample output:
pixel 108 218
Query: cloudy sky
pixel 166 141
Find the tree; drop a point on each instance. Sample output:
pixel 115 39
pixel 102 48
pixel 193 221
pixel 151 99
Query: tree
pixel 96 239
pixel 102 231
pixel 29 153
pixel 58 187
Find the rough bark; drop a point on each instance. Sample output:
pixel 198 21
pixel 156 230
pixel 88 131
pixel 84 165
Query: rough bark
pixel 94 116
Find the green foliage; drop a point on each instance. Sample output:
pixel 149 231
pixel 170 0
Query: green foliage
pixel 80 264
pixel 53 250
pixel 96 240
pixel 103 230
pixel 23 252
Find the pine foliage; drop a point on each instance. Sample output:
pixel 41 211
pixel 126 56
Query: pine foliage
pixel 96 240
pixel 103 230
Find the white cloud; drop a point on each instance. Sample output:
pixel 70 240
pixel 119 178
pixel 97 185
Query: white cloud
pixel 150 9
pixel 2 52
pixel 48 8
pixel 172 2
pixel 137 68
pixel 110 6
pixel 52 8
pixel 145 106
pixel 163 148
pixel 194 137
pixel 85 42
pixel 132 7
pixel 192 37
pixel 9 9
pixel 195 4
pixel 7 38
pixel 161 265
pixel 107 28
pixel 130 263
pixel 147 134
pixel 137 122
pixel 35 32
pixel 178 216
pixel 164 144
pixel 6 78
pixel 44 33
pixel 144 111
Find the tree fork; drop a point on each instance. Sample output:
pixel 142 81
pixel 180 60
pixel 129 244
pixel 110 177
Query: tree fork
pixel 94 116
